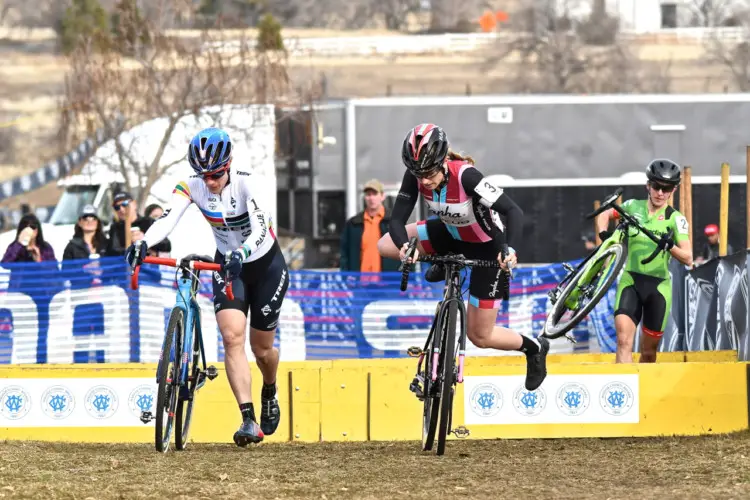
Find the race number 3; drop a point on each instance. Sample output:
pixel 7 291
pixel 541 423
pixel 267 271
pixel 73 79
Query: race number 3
pixel 488 192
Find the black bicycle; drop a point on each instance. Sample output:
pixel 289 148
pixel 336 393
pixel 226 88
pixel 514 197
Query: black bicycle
pixel 441 360
pixel 585 285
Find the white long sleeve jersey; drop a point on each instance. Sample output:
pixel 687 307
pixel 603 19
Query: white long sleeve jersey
pixel 235 218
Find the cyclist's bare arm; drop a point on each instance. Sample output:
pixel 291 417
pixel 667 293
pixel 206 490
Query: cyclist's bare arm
pixel 602 220
pixel 402 209
pixel 683 251
pixel 164 225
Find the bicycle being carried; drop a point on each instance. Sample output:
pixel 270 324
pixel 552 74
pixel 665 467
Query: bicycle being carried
pixel 585 285
pixel 182 369
pixel 441 360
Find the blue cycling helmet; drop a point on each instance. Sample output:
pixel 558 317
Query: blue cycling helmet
pixel 210 150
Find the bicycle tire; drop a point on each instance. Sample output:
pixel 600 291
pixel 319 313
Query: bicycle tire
pixel 166 398
pixel 184 412
pixel 448 378
pixel 553 330
pixel 431 409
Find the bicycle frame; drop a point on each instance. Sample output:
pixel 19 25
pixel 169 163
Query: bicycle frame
pixel 450 294
pixel 185 287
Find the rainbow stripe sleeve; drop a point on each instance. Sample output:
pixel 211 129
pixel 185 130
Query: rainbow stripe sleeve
pixel 183 189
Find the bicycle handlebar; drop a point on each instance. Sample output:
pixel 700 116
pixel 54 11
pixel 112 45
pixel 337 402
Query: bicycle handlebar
pixel 458 260
pixel 187 262
pixel 610 202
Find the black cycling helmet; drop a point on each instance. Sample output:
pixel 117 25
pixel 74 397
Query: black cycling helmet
pixel 664 171
pixel 425 148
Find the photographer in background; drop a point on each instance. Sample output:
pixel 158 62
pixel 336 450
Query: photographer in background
pixel 126 221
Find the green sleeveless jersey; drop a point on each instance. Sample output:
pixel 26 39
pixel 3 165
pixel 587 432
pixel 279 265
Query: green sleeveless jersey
pixel 641 246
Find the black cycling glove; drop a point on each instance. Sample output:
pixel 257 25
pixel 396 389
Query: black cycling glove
pixel 135 253
pixel 666 243
pixel 232 265
pixel 603 235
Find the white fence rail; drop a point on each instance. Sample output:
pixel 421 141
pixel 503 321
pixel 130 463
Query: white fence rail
pixel 454 43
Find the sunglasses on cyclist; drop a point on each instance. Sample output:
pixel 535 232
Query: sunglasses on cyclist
pixel 215 175
pixel 118 206
pixel 661 187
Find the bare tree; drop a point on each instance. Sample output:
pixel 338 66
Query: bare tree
pixel 554 53
pixel 171 79
pixel 731 51
pixel 712 13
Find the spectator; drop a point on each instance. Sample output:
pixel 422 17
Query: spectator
pixel 38 280
pixel 711 247
pixel 29 245
pixel 88 242
pixel 359 239
pixel 126 221
pixel 153 212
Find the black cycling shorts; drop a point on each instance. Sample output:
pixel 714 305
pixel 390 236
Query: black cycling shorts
pixel 485 284
pixel 642 296
pixel 259 289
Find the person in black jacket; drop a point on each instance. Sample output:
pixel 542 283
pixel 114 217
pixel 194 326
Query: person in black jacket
pixel 126 221
pixel 88 242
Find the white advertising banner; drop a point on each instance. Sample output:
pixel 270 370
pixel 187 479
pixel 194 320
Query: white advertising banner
pixel 562 399
pixel 76 402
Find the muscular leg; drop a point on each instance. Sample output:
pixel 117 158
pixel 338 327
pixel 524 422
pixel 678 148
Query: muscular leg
pixel 484 333
pixel 388 249
pixel 266 355
pixel 232 326
pixel 625 328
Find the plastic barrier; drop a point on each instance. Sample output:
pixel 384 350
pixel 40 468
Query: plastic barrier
pixel 360 400
pixel 85 312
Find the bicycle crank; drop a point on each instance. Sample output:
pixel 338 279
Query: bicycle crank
pixel 461 432
pixel 571 338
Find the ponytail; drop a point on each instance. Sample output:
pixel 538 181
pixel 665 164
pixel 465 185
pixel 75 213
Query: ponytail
pixel 452 155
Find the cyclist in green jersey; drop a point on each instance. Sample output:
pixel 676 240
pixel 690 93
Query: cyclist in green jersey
pixel 645 291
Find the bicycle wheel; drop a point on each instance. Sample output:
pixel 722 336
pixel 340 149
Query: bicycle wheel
pixel 431 403
pixel 604 270
pixel 185 405
pixel 169 379
pixel 448 378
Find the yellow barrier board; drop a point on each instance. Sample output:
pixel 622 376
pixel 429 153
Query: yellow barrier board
pixel 348 400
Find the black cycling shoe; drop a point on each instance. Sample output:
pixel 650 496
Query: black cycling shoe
pixel 536 366
pixel 270 415
pixel 435 273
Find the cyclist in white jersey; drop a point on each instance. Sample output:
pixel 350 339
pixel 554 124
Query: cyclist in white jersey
pixel 249 253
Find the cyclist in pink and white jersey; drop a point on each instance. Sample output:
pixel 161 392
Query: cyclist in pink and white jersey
pixel 468 207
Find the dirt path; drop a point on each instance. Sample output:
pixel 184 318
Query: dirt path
pixel 703 468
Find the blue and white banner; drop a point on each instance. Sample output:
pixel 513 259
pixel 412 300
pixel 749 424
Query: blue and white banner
pixel 85 312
